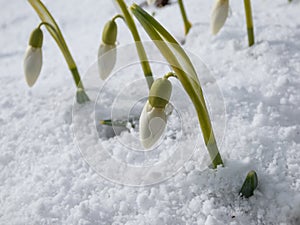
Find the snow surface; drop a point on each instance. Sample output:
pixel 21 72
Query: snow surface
pixel 45 180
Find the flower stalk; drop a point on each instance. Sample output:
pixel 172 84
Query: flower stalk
pixel 139 46
pixel 186 74
pixel 52 27
pixel 187 23
pixel 249 22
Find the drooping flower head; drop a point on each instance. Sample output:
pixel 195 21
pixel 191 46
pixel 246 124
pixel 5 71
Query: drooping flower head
pixel 219 15
pixel 33 58
pixel 151 2
pixel 107 49
pixel 153 118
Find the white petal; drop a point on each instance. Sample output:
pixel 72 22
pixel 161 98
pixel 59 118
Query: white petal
pixel 151 2
pixel 152 125
pixel 219 15
pixel 33 61
pixel 107 55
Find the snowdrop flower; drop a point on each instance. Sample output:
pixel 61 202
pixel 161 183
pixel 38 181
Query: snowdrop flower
pixel 219 15
pixel 107 57
pixel 107 51
pixel 152 125
pixel 33 58
pixel 151 2
pixel 153 118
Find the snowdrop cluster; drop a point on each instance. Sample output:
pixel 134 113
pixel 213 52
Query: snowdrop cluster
pixel 153 118
pixel 33 58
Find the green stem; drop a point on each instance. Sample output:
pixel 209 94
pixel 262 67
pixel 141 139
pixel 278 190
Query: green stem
pixel 249 21
pixel 73 70
pixel 76 77
pixel 139 46
pixel 177 48
pixel 118 16
pixel 193 92
pixel 170 74
pixel 181 54
pixel 60 42
pixel 52 27
pixel 187 23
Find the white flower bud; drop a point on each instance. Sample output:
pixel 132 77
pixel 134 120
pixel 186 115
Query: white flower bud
pixel 107 55
pixel 33 60
pixel 160 93
pixel 152 125
pixel 219 15
pixel 151 2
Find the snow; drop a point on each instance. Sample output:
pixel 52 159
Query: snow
pixel 44 177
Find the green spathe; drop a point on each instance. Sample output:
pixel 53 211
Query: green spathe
pixel 249 184
pixel 109 34
pixel 160 93
pixel 36 38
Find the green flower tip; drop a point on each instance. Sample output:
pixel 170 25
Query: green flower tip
pixel 109 34
pixel 160 93
pixel 249 185
pixel 36 38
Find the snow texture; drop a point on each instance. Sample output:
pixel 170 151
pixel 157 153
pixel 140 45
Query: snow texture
pixel 44 178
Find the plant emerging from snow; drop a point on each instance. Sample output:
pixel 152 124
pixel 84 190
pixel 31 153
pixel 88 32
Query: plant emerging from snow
pixel 33 55
pixel 249 22
pixel 186 22
pixel 249 185
pixel 153 119
pixel 185 72
pixel 160 92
